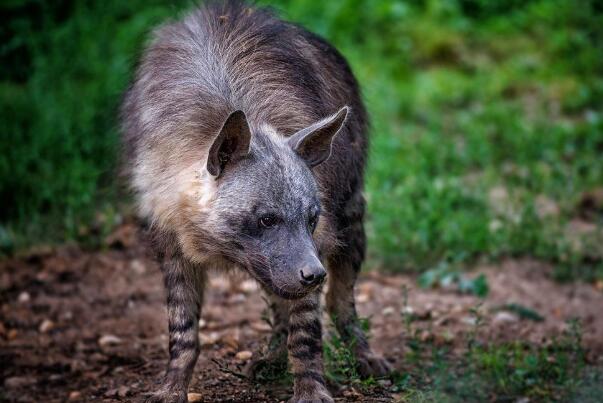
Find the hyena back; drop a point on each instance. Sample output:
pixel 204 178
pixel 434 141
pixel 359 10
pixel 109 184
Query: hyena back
pixel 245 140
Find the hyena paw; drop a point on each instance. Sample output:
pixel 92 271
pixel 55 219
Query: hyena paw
pixel 319 396
pixel 165 396
pixel 371 365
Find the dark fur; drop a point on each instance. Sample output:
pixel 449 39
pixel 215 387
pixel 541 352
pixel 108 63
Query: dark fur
pixel 227 57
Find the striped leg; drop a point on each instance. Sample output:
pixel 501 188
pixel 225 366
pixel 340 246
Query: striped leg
pixel 184 285
pixel 272 364
pixel 305 350
pixel 343 272
pixel 341 306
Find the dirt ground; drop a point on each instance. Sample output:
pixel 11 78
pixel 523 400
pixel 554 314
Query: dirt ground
pixel 91 326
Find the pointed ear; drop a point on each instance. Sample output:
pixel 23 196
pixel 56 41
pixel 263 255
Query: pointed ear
pixel 231 144
pixel 314 142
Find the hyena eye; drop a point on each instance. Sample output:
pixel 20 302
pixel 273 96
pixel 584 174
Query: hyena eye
pixel 268 221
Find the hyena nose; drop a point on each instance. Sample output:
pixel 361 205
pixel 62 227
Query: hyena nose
pixel 310 276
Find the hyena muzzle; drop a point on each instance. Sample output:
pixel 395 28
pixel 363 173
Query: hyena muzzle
pixel 245 142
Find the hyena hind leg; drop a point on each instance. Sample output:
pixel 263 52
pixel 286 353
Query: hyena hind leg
pixel 184 284
pixel 343 272
pixel 272 363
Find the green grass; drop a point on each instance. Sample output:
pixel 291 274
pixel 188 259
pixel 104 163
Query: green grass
pixel 484 116
pixel 556 370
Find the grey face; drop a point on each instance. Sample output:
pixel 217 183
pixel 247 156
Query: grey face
pixel 268 202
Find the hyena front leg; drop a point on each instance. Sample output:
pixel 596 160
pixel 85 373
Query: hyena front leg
pixel 305 350
pixel 184 284
pixel 274 360
pixel 343 272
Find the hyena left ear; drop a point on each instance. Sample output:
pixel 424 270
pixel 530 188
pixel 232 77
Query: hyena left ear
pixel 231 143
pixel 314 142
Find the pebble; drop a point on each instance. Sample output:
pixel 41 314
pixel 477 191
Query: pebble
pixel 75 395
pixel 209 339
pixel 504 317
pixel 195 397
pixel 46 326
pixel 362 298
pixel 388 310
pixel 24 297
pixel 123 391
pixel 12 334
pixel 109 340
pixel 231 341
pixel 18 382
pixel 407 310
pixel 260 326
pixel 137 266
pixel 243 355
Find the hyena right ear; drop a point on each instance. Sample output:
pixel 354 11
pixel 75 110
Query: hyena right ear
pixel 231 143
pixel 314 143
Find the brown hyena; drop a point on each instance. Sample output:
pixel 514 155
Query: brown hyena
pixel 246 141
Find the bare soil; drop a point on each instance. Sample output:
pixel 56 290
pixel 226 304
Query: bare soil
pixel 91 326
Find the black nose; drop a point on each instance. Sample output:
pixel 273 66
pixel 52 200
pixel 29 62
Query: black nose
pixel 310 276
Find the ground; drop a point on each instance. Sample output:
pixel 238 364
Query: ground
pixel 91 325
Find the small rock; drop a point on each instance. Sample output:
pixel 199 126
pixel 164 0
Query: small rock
pixel 111 393
pixel 202 323
pixel 260 326
pixel 46 326
pixel 504 317
pixel 123 391
pixel 75 395
pixel 18 382
pixel 362 298
pixel 469 320
pixel 12 334
pixel 24 297
pixel 209 339
pixel 109 340
pixel 195 397
pixel 137 266
pixel 243 355
pixel 231 341
pixel 407 310
pixel 388 310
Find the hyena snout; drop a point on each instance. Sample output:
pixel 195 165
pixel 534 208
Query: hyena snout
pixel 311 273
pixel 311 276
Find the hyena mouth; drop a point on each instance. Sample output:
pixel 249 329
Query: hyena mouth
pixel 280 291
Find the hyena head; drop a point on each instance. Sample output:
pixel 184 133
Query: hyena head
pixel 267 202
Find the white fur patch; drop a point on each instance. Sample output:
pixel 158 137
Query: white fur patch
pixel 163 194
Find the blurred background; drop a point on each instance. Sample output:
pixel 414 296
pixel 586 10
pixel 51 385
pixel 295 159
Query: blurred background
pixel 487 122
pixel 484 188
